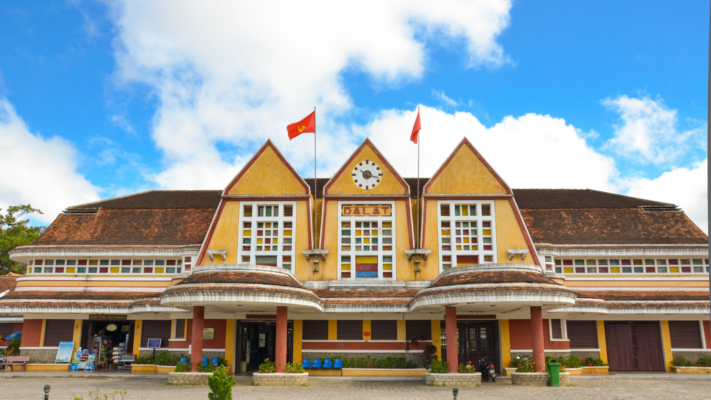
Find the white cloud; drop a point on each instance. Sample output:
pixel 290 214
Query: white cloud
pixel 38 171
pixel 223 70
pixel 686 187
pixel 650 131
pixel 528 151
pixel 439 95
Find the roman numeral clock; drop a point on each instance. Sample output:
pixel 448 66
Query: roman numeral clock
pixel 367 174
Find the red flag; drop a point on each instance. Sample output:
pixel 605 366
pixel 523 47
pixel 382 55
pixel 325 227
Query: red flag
pixel 307 124
pixel 416 128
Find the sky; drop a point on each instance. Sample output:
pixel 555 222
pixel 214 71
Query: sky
pixel 106 98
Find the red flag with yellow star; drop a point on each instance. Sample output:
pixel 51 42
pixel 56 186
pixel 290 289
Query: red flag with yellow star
pixel 307 124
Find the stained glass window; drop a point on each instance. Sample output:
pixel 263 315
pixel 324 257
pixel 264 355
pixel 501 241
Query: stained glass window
pixel 466 233
pixel 267 234
pixel 367 242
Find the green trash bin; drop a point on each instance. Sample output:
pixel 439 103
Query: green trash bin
pixel 554 374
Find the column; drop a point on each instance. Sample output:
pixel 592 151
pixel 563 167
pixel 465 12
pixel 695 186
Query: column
pixel 196 342
pixel 281 323
pixel 666 345
pixel 452 344
pixel 537 338
pixel 602 341
pixel 505 343
pixel 230 344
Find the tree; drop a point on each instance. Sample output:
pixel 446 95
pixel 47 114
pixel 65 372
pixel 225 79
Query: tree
pixel 16 232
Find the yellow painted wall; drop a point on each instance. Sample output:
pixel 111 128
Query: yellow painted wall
pixel 302 268
pixel 44 326
pixel 230 343
pixel 49 283
pixel 666 344
pixel 436 337
pixel 430 267
pixel 401 330
pixel 343 184
pixel 405 268
pixel 466 174
pixel 509 234
pixel 366 328
pixel 138 331
pixel 332 329
pixel 268 175
pixel 505 343
pixel 298 337
pixel 225 236
pixel 76 337
pixel 329 269
pixel 602 341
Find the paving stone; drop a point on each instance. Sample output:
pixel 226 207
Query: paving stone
pixel 319 389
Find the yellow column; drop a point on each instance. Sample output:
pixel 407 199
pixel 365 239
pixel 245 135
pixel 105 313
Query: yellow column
pixel 401 333
pixel 172 329
pixel 44 326
pixel 436 337
pixel 138 329
pixel 602 341
pixel 332 329
pixel 230 343
pixel 76 338
pixel 298 336
pixel 505 344
pixel 366 328
pixel 185 330
pixel 666 343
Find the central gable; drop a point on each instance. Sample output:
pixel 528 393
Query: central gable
pixel 343 182
pixel 466 172
pixel 267 173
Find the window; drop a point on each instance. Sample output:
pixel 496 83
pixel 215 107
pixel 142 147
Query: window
pixel 267 234
pixel 466 233
pixel 633 266
pixel 366 236
pixel 548 261
pixel 557 329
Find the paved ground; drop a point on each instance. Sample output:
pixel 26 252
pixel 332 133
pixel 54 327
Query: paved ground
pixel 154 389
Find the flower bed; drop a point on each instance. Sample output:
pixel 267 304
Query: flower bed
pixel 683 366
pixel 537 379
pixel 293 375
pixel 384 372
pixel 691 370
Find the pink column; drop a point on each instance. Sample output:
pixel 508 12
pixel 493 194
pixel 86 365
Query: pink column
pixel 452 344
pixel 537 338
pixel 280 339
pixel 196 343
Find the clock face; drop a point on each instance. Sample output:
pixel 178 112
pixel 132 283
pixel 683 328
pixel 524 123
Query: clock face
pixel 367 174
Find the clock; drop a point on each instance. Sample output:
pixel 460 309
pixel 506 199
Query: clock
pixel 367 174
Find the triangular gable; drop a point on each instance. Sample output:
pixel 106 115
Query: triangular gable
pixel 267 173
pixel 466 172
pixel 342 182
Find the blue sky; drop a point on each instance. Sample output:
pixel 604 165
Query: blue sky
pixel 99 99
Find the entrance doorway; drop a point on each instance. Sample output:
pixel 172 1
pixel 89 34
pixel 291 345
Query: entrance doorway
pixel 257 341
pixel 476 340
pixel 103 336
pixel 634 346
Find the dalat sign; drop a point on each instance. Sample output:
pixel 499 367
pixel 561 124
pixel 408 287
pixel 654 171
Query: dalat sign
pixel 370 210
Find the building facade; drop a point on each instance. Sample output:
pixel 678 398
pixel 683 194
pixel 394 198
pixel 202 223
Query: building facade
pixel 276 266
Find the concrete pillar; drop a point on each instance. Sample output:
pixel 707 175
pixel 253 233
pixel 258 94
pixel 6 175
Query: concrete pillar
pixel 196 343
pixel 539 356
pixel 452 344
pixel 281 323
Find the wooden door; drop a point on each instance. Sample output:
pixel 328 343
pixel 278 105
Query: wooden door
pixel 478 340
pixel 634 346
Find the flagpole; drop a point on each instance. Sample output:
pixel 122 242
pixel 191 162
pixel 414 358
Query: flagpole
pixel 315 183
pixel 419 235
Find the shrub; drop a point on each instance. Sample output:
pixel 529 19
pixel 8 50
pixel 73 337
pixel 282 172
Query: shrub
pixel 466 368
pixel 210 367
pixel 167 359
pixel 593 362
pixel 182 367
pixel 572 362
pixel 704 362
pixel 681 362
pixel 267 367
pixel 220 385
pixel 439 367
pixel 294 368
pixel 523 365
pixel 430 352
pixel 144 360
pixel 369 362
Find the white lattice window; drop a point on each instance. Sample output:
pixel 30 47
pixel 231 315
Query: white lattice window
pixel 266 235
pixel 367 240
pixel 467 232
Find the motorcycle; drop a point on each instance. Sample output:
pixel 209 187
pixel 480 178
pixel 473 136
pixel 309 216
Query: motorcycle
pixel 487 370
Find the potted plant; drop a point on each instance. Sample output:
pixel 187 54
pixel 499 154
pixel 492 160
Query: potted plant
pixel 293 375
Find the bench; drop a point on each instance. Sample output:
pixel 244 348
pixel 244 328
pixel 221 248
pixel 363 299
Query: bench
pixel 16 361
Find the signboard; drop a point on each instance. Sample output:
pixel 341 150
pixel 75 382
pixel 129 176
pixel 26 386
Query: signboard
pixel 260 316
pixel 153 343
pixel 64 353
pixel 208 333
pixel 107 317
pixel 367 210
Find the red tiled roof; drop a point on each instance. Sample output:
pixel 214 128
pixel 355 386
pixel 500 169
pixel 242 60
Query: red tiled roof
pixel 482 277
pixel 129 227
pixel 643 295
pixel 8 282
pixel 611 226
pixel 77 295
pixel 254 277
pixel 158 199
